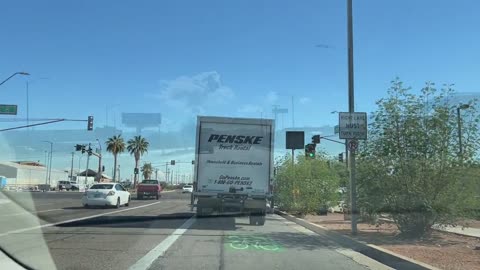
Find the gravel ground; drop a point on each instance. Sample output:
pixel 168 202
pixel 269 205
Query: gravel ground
pixel 442 250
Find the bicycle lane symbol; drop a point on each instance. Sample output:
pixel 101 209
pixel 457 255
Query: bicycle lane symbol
pixel 251 242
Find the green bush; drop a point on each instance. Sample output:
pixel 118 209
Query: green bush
pixel 410 166
pixel 307 186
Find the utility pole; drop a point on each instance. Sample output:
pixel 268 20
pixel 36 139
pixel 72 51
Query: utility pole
pixel 71 168
pixel 166 172
pixel 99 173
pixel 118 173
pixel 351 109
pixel 156 174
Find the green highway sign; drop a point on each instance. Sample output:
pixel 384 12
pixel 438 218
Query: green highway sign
pixel 8 109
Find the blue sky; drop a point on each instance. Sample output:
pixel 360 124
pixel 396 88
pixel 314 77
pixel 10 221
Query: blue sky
pixel 234 58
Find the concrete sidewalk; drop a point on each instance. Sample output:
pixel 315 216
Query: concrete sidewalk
pixel 461 230
pixel 467 231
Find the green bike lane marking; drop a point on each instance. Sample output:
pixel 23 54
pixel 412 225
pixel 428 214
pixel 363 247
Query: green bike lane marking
pixel 252 242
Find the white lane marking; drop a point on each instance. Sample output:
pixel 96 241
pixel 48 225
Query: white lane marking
pixel 75 219
pixel 33 213
pixel 159 251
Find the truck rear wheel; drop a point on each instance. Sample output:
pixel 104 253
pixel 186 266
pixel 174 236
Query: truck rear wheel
pixel 261 220
pixel 257 219
pixel 200 212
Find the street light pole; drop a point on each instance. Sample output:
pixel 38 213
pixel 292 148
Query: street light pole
pixel 351 109
pixel 27 84
pixel 51 154
pixel 16 73
pixel 71 168
pixel 46 167
pixel 28 114
pixel 79 162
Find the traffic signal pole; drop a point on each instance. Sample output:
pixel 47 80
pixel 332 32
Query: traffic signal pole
pixel 86 170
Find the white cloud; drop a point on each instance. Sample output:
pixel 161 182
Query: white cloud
pixel 304 100
pixel 272 97
pixel 195 93
pixel 250 108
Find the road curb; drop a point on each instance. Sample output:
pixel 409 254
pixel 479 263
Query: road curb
pixel 379 254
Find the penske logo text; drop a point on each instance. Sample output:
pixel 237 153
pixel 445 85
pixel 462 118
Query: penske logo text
pixel 235 139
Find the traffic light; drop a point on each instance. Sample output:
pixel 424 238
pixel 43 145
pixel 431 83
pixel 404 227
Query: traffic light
pixel 83 149
pixel 78 147
pixel 90 123
pixel 193 162
pixel 103 168
pixel 310 151
pixel 316 139
pixel 135 171
pixel 172 162
pixel 340 157
pixel 89 151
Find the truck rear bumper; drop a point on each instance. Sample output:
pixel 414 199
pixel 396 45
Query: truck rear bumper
pixel 147 193
pixel 245 205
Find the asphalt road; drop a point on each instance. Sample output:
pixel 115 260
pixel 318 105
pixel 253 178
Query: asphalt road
pixel 48 230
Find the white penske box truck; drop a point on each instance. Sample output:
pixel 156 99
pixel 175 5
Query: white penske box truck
pixel 234 166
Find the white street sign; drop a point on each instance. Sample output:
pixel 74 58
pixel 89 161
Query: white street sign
pixel 353 125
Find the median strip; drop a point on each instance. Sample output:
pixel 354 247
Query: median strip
pixel 75 220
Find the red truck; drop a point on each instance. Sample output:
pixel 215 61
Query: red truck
pixel 149 188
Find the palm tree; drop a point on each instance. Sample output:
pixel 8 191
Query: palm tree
pixel 137 147
pixel 147 170
pixel 115 145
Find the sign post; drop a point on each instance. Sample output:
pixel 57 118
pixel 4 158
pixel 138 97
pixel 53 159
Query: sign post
pixel 295 140
pixel 352 127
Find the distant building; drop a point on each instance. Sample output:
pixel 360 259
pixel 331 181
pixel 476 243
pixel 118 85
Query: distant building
pixel 29 174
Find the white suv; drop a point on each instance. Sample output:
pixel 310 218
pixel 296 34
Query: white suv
pixel 61 185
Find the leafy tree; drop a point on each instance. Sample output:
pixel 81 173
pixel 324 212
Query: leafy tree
pixel 115 145
pixel 147 170
pixel 410 166
pixel 137 147
pixel 307 185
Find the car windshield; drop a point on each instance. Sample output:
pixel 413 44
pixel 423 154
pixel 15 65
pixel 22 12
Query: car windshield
pixel 101 187
pixel 252 134
pixel 154 182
